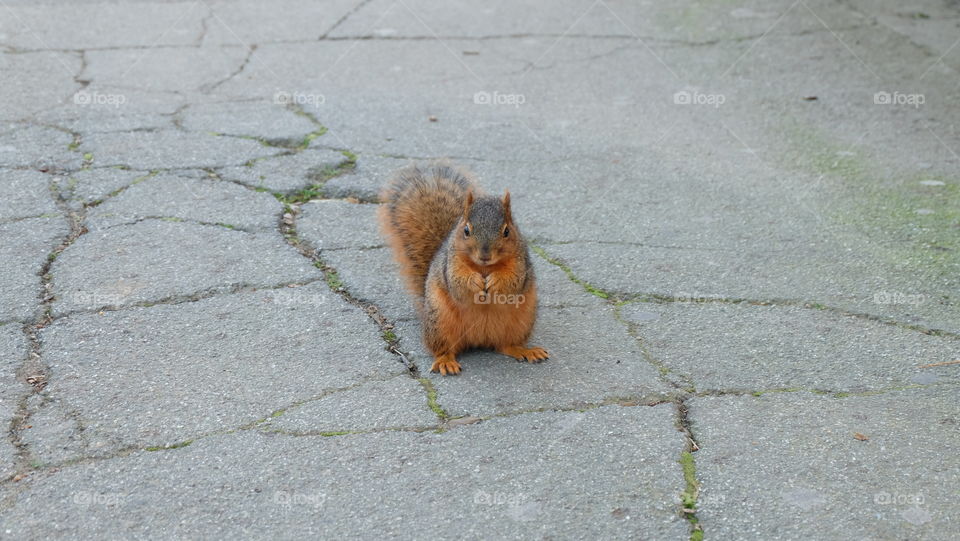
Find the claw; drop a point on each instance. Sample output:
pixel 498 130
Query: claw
pixel 445 364
pixel 531 355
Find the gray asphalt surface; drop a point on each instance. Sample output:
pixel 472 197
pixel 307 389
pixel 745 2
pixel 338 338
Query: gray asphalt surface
pixel 746 219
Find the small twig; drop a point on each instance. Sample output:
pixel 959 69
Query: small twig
pixel 945 363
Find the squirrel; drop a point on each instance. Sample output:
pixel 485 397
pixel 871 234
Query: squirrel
pixel 464 260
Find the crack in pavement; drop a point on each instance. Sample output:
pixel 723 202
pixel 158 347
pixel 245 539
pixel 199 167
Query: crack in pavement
pixel 649 40
pixel 186 298
pixel 130 449
pixel 287 226
pixel 621 297
pixel 186 220
pixel 206 89
pixel 262 425
pixel 33 370
pixel 343 19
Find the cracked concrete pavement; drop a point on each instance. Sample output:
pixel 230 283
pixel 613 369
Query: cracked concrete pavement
pixel 746 232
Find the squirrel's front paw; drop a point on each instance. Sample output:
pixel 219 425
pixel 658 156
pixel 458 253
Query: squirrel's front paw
pixel 445 364
pixel 492 283
pixel 531 355
pixel 477 283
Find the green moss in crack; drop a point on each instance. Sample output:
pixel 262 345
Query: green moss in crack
pixel 333 280
pixel 582 283
pixel 167 447
pixel 432 399
pixel 690 494
pixel 777 390
pixel 389 336
pixel 314 191
pixel 308 138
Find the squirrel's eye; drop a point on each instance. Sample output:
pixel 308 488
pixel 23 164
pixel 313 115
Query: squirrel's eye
pixel 506 231
pixel 466 231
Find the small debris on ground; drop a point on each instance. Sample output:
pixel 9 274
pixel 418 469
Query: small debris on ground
pixel 39 381
pixel 944 363
pixel 464 421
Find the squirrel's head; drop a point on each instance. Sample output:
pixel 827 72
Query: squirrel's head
pixel 486 232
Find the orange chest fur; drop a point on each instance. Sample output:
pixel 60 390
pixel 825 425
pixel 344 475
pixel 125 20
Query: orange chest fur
pixel 503 320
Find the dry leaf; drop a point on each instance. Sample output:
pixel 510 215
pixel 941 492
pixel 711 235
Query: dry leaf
pixel 464 421
pixel 861 437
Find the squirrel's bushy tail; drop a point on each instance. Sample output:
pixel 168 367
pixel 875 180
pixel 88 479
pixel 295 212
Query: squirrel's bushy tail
pixel 421 204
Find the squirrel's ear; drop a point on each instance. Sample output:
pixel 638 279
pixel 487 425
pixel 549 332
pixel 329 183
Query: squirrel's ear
pixel 467 203
pixel 506 207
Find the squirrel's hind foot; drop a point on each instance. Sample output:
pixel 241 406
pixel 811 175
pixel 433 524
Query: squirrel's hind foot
pixel 531 355
pixel 445 364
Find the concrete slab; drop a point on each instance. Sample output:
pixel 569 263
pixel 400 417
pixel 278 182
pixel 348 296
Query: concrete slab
pixel 195 199
pixel 722 347
pixel 792 466
pixel 24 248
pixel 204 366
pixel 155 260
pixel 396 403
pixel 489 479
